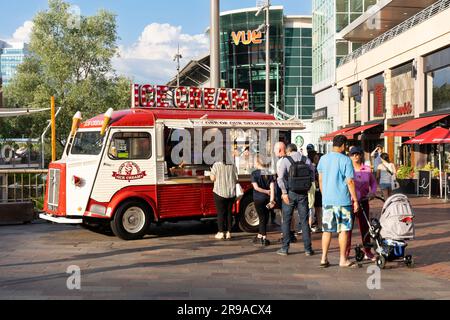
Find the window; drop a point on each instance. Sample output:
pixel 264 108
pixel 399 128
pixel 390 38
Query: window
pixel 87 143
pixel 130 146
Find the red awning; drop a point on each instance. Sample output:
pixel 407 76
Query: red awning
pixel 410 128
pixel 350 134
pixel 436 136
pixel 330 136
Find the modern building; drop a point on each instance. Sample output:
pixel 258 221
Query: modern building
pixel 243 62
pixel 11 57
pixel 330 17
pixel 195 74
pixel 397 84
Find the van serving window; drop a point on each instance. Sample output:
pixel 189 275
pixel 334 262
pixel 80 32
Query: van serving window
pixel 130 146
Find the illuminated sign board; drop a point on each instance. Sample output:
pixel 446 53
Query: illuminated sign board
pixel 246 38
pixel 155 96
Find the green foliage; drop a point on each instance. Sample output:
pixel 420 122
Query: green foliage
pixel 430 167
pixel 73 64
pixel 405 172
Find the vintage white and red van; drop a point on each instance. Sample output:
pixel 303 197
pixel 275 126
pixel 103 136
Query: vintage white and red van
pixel 117 168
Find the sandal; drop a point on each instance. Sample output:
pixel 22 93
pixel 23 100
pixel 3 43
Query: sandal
pixel 325 265
pixel 350 265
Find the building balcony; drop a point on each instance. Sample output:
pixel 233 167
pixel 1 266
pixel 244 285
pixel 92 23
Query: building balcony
pixel 400 29
pixel 382 17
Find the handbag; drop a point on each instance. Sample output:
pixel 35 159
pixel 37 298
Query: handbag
pixel 239 192
pixel 394 184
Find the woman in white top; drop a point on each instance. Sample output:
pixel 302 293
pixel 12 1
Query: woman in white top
pixel 225 178
pixel 386 174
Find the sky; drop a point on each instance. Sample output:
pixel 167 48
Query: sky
pixel 149 30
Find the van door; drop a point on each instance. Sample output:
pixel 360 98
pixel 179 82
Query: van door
pixel 128 162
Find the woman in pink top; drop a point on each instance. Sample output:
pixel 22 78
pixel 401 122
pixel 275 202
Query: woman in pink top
pixel 366 188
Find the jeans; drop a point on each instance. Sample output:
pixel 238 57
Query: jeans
pixel 299 201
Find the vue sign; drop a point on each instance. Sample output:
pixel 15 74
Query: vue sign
pixel 247 38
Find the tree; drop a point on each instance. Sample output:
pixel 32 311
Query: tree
pixel 71 61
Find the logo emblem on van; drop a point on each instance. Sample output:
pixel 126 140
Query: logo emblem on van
pixel 129 171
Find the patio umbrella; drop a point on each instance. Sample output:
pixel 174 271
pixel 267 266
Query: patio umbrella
pixel 437 136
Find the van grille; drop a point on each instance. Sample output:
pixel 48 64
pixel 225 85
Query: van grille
pixel 53 189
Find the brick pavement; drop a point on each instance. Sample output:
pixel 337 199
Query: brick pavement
pixel 183 262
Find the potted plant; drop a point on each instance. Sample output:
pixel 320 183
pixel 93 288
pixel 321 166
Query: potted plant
pixel 406 177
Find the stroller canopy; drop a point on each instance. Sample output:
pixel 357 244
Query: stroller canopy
pixel 397 219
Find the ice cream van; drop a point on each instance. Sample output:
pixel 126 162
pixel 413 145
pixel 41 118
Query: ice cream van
pixel 128 169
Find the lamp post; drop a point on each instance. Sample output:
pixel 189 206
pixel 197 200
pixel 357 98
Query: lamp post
pixel 215 44
pixel 177 58
pixel 265 5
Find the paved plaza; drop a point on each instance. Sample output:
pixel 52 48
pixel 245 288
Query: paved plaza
pixel 183 261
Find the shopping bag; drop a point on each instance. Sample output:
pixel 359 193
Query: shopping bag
pixel 239 192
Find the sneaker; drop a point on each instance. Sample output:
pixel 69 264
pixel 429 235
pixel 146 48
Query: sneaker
pixel 220 236
pixel 310 253
pixel 282 252
pixel 228 236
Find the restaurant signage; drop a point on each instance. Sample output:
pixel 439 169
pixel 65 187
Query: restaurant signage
pixel 404 110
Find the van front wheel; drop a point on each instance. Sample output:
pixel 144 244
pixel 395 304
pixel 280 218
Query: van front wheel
pixel 131 221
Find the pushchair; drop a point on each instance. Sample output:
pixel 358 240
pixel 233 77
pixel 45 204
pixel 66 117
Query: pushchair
pixel 390 233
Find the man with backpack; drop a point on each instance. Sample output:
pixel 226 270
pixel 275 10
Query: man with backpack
pixel 295 178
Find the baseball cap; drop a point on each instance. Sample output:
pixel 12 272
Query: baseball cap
pixel 356 150
pixel 310 147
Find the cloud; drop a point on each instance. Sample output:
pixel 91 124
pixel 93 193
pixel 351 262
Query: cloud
pixel 150 59
pixel 22 34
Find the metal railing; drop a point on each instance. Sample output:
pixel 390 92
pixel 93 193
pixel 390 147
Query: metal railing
pixel 22 185
pixel 406 25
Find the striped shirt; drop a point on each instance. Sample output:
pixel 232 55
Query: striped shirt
pixel 226 180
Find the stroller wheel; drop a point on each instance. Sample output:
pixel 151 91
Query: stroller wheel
pixel 409 261
pixel 359 254
pixel 381 262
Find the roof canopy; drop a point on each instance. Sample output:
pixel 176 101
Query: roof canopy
pixel 410 128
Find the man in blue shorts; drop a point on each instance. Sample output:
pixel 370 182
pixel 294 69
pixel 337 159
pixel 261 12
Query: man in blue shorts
pixel 336 174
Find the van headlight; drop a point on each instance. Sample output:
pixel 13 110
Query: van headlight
pixel 98 209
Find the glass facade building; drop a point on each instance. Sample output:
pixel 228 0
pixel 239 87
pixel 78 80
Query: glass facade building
pixel 298 71
pixel 10 59
pixel 243 59
pixel 329 18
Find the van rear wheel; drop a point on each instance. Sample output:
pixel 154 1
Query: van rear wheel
pixel 248 219
pixel 131 221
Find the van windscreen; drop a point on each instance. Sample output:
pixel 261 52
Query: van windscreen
pixel 87 143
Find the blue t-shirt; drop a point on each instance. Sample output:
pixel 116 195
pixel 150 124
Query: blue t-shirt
pixel 336 169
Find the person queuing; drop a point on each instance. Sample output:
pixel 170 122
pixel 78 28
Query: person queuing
pixel 264 198
pixel 317 225
pixel 280 153
pixel 295 195
pixel 225 178
pixel 366 188
pixel 336 179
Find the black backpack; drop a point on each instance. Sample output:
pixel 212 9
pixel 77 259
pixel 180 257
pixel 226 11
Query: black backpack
pixel 299 180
